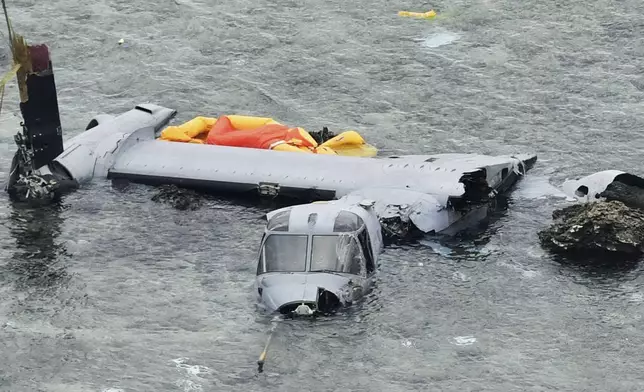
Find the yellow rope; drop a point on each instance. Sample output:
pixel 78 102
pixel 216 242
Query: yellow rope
pixel 9 75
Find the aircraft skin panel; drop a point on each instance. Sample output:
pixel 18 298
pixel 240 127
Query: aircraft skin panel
pixel 594 183
pixel 92 152
pixel 212 166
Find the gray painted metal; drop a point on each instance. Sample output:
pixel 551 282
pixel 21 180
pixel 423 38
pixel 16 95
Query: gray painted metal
pixel 126 147
pixel 594 184
pixel 589 188
pixel 242 169
pixel 420 188
pixel 277 289
pixel 93 152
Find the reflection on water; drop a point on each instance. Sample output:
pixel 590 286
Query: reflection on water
pixel 36 261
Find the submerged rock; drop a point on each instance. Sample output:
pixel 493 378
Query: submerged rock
pixel 179 198
pixel 596 231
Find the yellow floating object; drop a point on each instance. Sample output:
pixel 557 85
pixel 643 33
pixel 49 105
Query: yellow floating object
pixel 362 150
pixel 198 126
pixel 288 147
pixel 344 138
pixel 325 150
pixel 348 143
pixel 188 131
pixel 424 15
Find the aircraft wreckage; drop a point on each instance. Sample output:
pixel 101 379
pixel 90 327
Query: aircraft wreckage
pixel 379 197
pixel 244 155
pixel 313 257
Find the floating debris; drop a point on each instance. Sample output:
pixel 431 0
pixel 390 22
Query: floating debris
pixel 440 39
pixel 464 340
pixel 431 14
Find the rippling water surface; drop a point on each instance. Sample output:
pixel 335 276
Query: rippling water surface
pixel 112 292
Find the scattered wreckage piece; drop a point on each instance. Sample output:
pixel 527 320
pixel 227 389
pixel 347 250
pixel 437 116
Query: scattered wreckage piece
pixel 607 185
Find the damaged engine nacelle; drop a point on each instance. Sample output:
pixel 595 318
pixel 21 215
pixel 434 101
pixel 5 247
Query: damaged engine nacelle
pixel 607 185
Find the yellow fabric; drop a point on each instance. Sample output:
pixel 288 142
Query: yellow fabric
pixel 307 136
pixel 325 151
pixel 361 150
pixel 288 147
pixel 188 131
pixel 343 139
pixel 424 15
pixel 348 143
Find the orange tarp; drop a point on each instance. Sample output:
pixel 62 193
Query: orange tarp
pixel 266 137
pixel 263 133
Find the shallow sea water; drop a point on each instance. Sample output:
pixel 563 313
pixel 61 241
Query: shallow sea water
pixel 113 292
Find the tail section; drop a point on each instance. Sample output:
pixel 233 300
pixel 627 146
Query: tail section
pixel 41 128
pixel 32 176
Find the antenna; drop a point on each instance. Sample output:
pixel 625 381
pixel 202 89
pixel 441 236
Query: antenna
pixel 6 17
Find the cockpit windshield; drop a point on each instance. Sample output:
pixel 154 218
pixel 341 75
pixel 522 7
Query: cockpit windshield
pixel 340 253
pixel 283 253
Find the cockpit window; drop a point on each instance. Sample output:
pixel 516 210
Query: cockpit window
pixel 279 222
pixel 284 253
pixel 347 222
pixel 339 253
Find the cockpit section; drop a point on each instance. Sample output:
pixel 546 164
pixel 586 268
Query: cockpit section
pixel 338 245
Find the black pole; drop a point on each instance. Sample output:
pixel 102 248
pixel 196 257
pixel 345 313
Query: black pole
pixel 6 17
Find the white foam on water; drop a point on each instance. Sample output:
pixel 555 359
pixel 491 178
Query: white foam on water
pixel 9 124
pixel 637 297
pixel 192 372
pixel 436 247
pixel 537 188
pixel 407 343
pixel 460 276
pixel 113 390
pixel 530 274
pixel 464 340
pixel 188 386
pixel 526 273
pixel 440 39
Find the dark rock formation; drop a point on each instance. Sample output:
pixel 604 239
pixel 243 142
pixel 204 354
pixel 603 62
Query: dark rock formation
pixel 631 195
pixel 179 198
pixel 596 231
